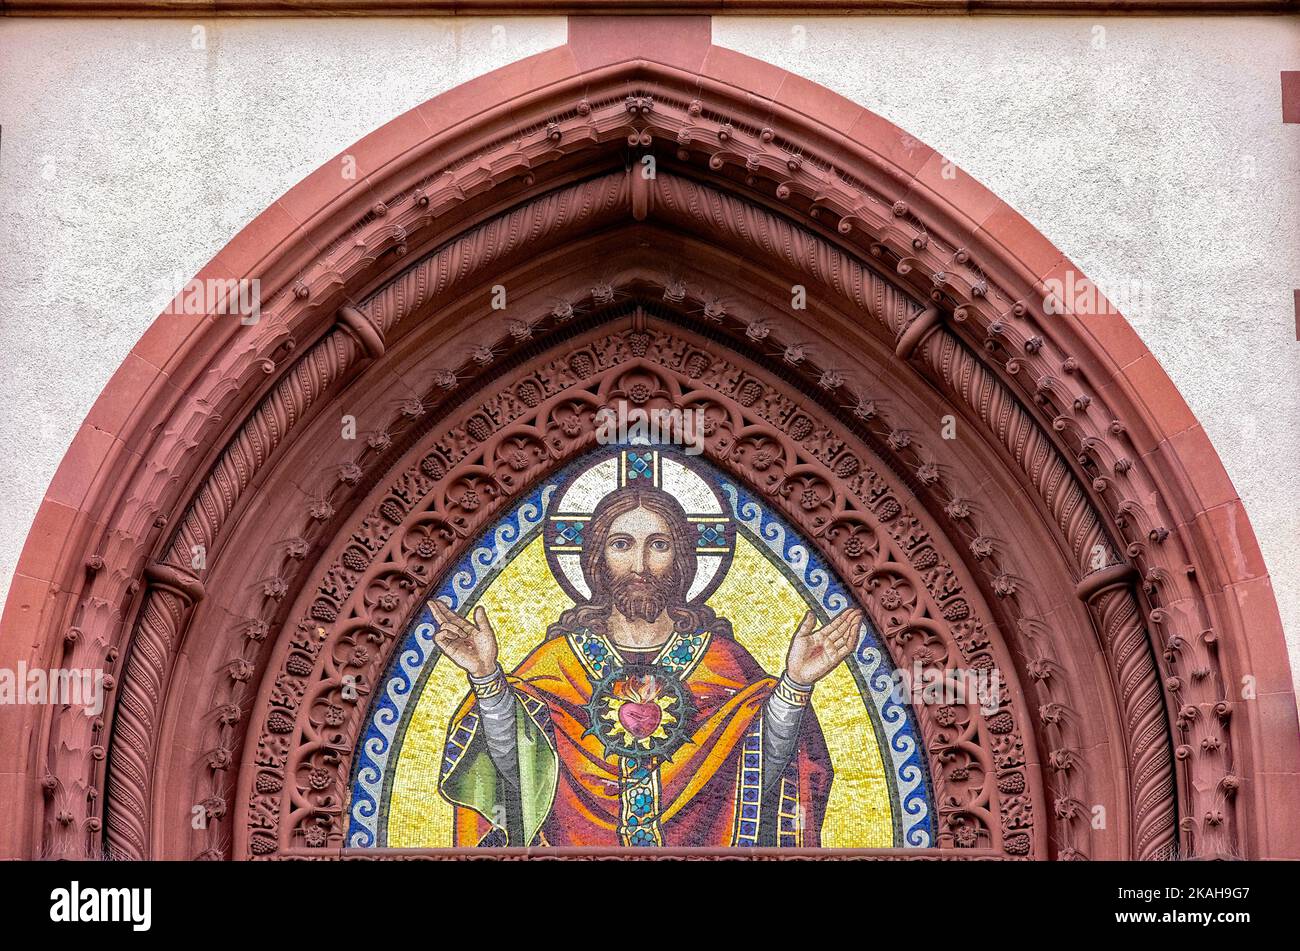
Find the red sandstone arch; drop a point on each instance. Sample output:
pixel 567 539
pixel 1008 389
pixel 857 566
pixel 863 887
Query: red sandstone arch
pixel 925 299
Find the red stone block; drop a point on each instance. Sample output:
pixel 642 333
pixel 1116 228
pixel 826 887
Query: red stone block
pixel 1159 396
pixel 1279 796
pixel 247 252
pixel 680 41
pixel 325 185
pixel 819 103
pixel 890 144
pixel 1290 96
pixel 459 104
pixel 81 465
pixel 167 337
pixel 941 179
pixel 132 382
pixel 1026 243
pixel 1230 529
pixel 744 72
pixel 538 72
pixel 50 531
pixel 1198 458
pixel 25 607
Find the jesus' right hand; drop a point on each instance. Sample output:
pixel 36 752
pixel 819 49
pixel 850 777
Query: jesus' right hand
pixel 471 645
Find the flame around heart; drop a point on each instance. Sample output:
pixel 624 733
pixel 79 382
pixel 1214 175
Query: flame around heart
pixel 637 710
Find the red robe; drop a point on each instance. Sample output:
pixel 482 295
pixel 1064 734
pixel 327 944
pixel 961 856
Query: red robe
pixel 711 791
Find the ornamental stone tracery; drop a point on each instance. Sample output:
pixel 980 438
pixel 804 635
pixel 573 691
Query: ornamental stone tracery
pixel 761 183
pixel 467 473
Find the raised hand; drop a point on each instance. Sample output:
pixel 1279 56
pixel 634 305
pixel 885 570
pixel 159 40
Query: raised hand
pixel 815 652
pixel 471 645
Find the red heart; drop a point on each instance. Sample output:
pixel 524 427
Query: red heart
pixel 640 719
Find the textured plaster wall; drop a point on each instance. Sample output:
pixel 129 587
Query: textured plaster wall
pixel 1152 152
pixel 132 151
pixel 1149 151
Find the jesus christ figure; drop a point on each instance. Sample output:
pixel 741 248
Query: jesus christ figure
pixel 639 720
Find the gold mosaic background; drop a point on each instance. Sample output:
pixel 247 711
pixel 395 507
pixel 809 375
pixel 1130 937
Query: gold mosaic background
pixel 764 609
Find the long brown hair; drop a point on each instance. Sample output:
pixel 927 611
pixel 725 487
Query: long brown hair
pixel 593 614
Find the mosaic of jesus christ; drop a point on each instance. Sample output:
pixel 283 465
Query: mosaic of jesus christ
pixel 638 720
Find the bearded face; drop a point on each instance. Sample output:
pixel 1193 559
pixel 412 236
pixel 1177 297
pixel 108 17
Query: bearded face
pixel 640 566
pixel 639 597
pixel 638 558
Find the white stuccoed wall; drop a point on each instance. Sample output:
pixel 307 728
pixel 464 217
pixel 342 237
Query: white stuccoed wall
pixel 1153 151
pixel 129 158
pixel 1146 149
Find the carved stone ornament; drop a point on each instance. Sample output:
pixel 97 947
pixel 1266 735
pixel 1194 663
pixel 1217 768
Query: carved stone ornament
pixel 246 569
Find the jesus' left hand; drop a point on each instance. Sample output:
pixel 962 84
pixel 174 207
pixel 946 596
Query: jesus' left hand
pixel 815 652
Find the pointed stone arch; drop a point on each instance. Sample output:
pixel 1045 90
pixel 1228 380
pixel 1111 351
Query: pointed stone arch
pixel 1080 510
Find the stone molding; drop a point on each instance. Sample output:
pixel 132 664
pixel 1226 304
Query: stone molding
pixel 188 447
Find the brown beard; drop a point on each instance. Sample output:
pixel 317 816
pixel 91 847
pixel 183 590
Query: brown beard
pixel 656 596
pixel 639 597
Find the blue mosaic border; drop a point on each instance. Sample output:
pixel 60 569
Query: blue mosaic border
pixel 389 709
pixel 874 664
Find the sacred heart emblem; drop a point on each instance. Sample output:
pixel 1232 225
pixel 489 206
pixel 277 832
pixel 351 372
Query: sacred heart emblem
pixel 640 719
pixel 639 710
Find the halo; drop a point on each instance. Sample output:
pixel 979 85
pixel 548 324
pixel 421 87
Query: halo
pixel 581 492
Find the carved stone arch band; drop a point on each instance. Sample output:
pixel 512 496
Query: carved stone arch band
pixel 232 558
pixel 821 479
